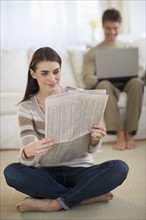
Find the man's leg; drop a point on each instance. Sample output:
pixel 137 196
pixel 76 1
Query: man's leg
pixel 134 89
pixel 112 114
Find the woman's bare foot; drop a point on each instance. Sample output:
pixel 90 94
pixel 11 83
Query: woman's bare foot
pixel 38 205
pixel 103 198
pixel 130 143
pixel 121 141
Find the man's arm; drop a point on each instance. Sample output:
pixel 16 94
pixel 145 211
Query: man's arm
pixel 89 76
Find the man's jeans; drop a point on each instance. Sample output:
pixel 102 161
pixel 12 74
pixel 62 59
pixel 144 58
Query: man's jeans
pixel 69 185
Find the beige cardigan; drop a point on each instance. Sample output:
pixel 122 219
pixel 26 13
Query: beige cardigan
pixel 89 77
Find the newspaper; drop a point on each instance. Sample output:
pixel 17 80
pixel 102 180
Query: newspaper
pixel 69 116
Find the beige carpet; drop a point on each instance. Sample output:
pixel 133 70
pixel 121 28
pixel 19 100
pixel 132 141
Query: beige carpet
pixel 129 198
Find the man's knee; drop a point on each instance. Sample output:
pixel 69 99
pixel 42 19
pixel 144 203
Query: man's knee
pixel 104 84
pixel 136 82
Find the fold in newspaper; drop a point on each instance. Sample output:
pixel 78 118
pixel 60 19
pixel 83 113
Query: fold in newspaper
pixel 69 116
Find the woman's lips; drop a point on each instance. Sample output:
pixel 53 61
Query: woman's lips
pixel 52 85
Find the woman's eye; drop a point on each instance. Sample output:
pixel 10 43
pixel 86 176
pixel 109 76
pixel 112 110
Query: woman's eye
pixel 56 72
pixel 44 73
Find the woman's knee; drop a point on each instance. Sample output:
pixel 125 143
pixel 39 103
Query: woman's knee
pixel 11 173
pixel 121 168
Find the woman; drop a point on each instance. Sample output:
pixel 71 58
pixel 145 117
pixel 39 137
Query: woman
pixel 63 186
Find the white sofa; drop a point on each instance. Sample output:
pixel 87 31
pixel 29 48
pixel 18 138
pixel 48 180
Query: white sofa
pixel 14 67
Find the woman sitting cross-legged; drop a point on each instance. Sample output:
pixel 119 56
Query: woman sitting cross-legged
pixel 65 185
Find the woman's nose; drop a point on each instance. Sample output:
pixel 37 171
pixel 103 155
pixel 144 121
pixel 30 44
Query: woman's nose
pixel 51 77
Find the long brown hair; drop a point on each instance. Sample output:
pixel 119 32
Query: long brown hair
pixel 42 54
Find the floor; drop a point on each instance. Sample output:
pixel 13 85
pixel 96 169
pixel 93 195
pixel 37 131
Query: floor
pixel 129 198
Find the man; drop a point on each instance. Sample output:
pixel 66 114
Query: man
pixel 111 22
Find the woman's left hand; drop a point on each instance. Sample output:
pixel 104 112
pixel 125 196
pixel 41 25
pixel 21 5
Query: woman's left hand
pixel 96 133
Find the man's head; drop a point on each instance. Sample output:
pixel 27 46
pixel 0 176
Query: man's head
pixel 111 21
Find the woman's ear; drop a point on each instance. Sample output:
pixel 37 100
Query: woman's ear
pixel 32 74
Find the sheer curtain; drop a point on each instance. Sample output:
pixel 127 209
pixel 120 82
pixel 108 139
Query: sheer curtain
pixel 33 23
pixel 39 23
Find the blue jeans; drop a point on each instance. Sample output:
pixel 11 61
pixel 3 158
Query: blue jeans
pixel 69 185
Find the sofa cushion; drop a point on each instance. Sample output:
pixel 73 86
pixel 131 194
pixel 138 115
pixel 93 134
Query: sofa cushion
pixel 10 137
pixel 67 78
pixel 14 67
pixel 140 43
pixel 9 102
pixel 76 57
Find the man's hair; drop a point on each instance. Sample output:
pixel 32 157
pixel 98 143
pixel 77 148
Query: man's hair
pixel 111 15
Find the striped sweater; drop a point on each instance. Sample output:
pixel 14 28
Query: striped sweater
pixel 32 127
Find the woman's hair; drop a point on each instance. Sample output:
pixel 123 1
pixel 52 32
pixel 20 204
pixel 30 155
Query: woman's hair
pixel 42 54
pixel 111 15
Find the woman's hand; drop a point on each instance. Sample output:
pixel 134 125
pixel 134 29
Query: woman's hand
pixel 96 133
pixel 39 148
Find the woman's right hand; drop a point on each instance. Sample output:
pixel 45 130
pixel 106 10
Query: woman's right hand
pixel 39 148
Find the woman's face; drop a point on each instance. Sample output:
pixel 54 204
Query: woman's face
pixel 48 75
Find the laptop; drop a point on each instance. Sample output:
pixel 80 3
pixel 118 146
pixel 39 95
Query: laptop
pixel 117 64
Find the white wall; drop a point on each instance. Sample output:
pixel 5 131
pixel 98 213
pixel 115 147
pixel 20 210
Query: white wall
pixel 137 15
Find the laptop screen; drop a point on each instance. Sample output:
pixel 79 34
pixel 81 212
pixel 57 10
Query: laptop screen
pixel 117 64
